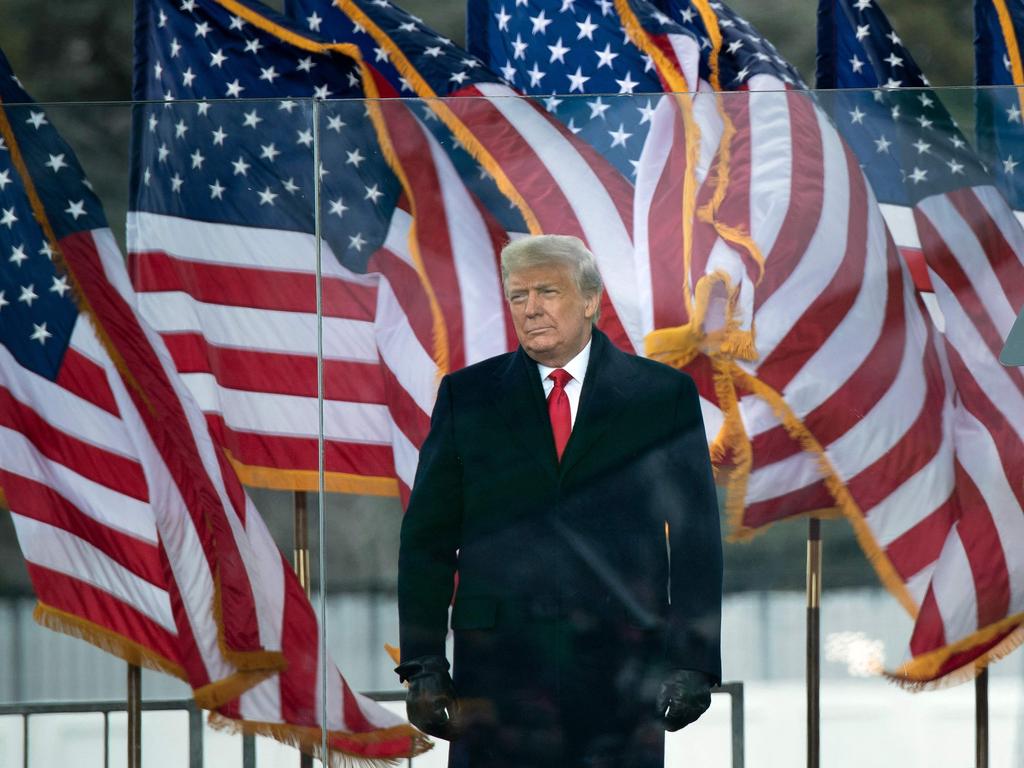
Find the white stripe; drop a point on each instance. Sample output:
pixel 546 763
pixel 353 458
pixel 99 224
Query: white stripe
pixel 1009 225
pixel 687 51
pixel 953 585
pixel 402 352
pixel 54 548
pixel 264 330
pixel 781 477
pixel 900 220
pixel 406 455
pixel 917 585
pixel 289 415
pixel 599 219
pixel 771 161
pixel 235 245
pixel 397 240
pixel 475 262
pixel 980 457
pixel 970 255
pixel 94 500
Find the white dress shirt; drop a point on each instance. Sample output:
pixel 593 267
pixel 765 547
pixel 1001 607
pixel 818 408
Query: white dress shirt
pixel 577 368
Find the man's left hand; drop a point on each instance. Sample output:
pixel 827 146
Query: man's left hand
pixel 684 696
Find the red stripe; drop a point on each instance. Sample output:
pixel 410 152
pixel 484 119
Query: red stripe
pixel 958 660
pixel 929 632
pixel 274 372
pixel 408 416
pixel 921 545
pixel 81 599
pixel 300 640
pixel 431 223
pixel 237 285
pixel 984 549
pixel 300 453
pixel 86 379
pixel 542 193
pixel 408 289
pixel 806 194
pixel 1005 262
pixel 104 467
pixel 162 413
pixel 806 499
pixel 665 236
pixel 40 502
pixel 914 259
pixel 945 264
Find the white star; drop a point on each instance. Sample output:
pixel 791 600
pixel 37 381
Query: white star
pixel 202 29
pixel 924 121
pixel 373 194
pixel 28 294
pixel 1009 164
pixel 314 22
pixel 687 15
pixel 925 101
pixel 306 64
pixel 269 74
pixel 267 197
pixel 338 207
pixel 355 157
pixel 586 29
pixel 605 57
pixel 335 124
pixel 1013 114
pixel 235 89
pixel 459 77
pixel 197 160
pixel 46 250
pixel 158 70
pixel 187 77
pixel 558 52
pixel 882 144
pixel 862 5
pixel 619 137
pixel 305 138
pixel 3 302
pixel 955 167
pixel 857 116
pixel 8 218
pixel 216 190
pixel 75 209
pixel 892 83
pixel 734 46
pixel 921 146
pixel 5 179
pixel 503 18
pixel 535 75
pixel 56 162
pixel 18 255
pixel 519 47
pixel 253 46
pixel 380 54
pixel 37 119
pixel 409 26
pixel 551 103
pixel 572 126
pixel 60 285
pixel 176 182
pixel 252 119
pixel 597 108
pixel 894 38
pixel 203 107
pixel 219 135
pixel 606 6
pixel 241 167
pixel 957 142
pixel 918 175
pixel 433 51
pixel 567 5
pixel 269 151
pixel 577 80
pixel 237 22
pixel 217 58
pixel 540 23
pixel 646 113
pixel 40 333
pixel 188 5
pixel 863 31
pixel 290 186
pixel 894 60
pixel 627 85
pixel 356 241
pixel 180 129
pixel 147 175
pixel 322 92
pixel 895 112
pixel 163 20
pixel 175 48
pixel 508 72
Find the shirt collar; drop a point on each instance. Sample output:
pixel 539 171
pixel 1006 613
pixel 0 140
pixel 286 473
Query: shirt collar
pixel 577 367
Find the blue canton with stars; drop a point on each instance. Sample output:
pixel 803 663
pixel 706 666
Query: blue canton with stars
pixel 1000 132
pixel 446 68
pixel 37 308
pixel 240 150
pixel 907 142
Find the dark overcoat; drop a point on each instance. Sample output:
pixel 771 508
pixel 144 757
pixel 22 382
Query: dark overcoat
pixel 580 582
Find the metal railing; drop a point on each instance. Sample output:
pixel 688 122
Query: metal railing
pixel 195 721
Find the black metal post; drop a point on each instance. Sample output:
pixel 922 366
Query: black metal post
pixel 301 563
pixel 813 642
pixel 134 716
pixel 981 719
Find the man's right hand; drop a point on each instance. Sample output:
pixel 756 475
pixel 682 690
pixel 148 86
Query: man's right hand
pixel 430 703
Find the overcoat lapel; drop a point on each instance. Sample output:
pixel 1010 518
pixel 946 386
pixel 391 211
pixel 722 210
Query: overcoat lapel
pixel 519 397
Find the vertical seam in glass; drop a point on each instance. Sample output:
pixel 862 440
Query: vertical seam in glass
pixel 324 725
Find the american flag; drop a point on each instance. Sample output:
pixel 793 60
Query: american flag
pixel 223 248
pixel 962 561
pixel 137 534
pixel 997 62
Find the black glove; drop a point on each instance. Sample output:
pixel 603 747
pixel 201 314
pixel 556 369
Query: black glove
pixel 430 702
pixel 685 695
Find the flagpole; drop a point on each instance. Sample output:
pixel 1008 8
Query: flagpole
pixel 134 716
pixel 813 641
pixel 981 720
pixel 300 561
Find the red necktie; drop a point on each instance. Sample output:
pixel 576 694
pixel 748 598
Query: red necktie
pixel 558 409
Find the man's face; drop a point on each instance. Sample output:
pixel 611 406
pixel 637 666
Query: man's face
pixel 551 317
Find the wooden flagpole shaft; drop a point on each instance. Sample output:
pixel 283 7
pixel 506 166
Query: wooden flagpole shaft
pixel 134 716
pixel 981 719
pixel 300 536
pixel 813 642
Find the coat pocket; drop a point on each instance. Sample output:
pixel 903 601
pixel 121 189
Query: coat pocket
pixel 474 613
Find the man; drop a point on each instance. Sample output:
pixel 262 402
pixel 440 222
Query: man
pixel 569 485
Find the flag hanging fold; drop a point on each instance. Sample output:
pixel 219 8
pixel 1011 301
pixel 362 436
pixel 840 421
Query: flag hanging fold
pixel 136 532
pixel 962 562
